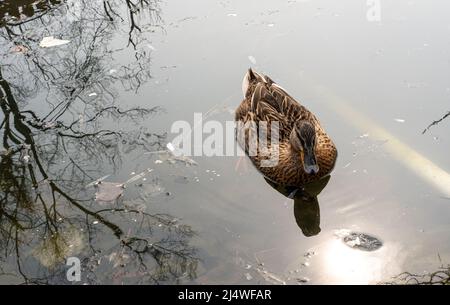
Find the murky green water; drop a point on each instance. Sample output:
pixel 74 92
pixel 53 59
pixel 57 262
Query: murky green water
pixel 102 104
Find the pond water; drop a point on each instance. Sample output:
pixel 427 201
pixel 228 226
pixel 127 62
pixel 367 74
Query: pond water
pixel 100 107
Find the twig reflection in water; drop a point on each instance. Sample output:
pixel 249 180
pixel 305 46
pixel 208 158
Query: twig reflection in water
pixel 438 277
pixel 33 202
pixel 49 155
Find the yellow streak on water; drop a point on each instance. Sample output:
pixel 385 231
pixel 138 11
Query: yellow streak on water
pixel 403 153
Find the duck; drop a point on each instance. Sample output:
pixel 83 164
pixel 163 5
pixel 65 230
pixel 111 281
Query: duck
pixel 304 151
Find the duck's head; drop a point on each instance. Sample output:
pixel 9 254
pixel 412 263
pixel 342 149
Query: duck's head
pixel 303 140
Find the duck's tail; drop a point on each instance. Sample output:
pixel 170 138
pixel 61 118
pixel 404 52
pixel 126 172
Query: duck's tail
pixel 248 77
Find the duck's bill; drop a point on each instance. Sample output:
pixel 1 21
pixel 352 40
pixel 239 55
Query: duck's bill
pixel 309 162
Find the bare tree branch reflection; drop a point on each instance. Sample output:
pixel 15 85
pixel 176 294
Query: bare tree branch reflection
pixel 50 152
pixel 436 122
pixel 438 277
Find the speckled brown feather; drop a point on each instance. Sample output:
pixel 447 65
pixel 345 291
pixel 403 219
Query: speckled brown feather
pixel 266 101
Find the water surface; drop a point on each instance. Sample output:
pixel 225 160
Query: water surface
pixel 64 125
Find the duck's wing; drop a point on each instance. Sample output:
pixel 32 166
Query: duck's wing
pixel 266 107
pixel 262 98
pixel 289 107
pixel 287 104
pixel 255 117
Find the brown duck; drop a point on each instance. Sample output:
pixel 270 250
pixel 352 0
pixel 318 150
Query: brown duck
pixel 305 151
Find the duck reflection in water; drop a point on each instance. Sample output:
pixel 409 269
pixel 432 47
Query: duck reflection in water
pixel 306 204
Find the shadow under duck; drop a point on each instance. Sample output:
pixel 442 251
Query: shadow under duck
pixel 305 151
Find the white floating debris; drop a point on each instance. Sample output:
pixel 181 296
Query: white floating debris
pixel 354 242
pixel 25 154
pixel 270 25
pixel 95 222
pixel 97 181
pixel 93 94
pixel 50 41
pixel 365 135
pixel 186 160
pixel 49 125
pixel 170 146
pixel 270 277
pixel 26 159
pixel 151 47
pixel 112 71
pixel 176 155
pixel 158 162
pixel 132 173
pixel 341 233
pixel 232 15
pixel 252 59
pixel 399 120
pixel 138 176
pixel 248 277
